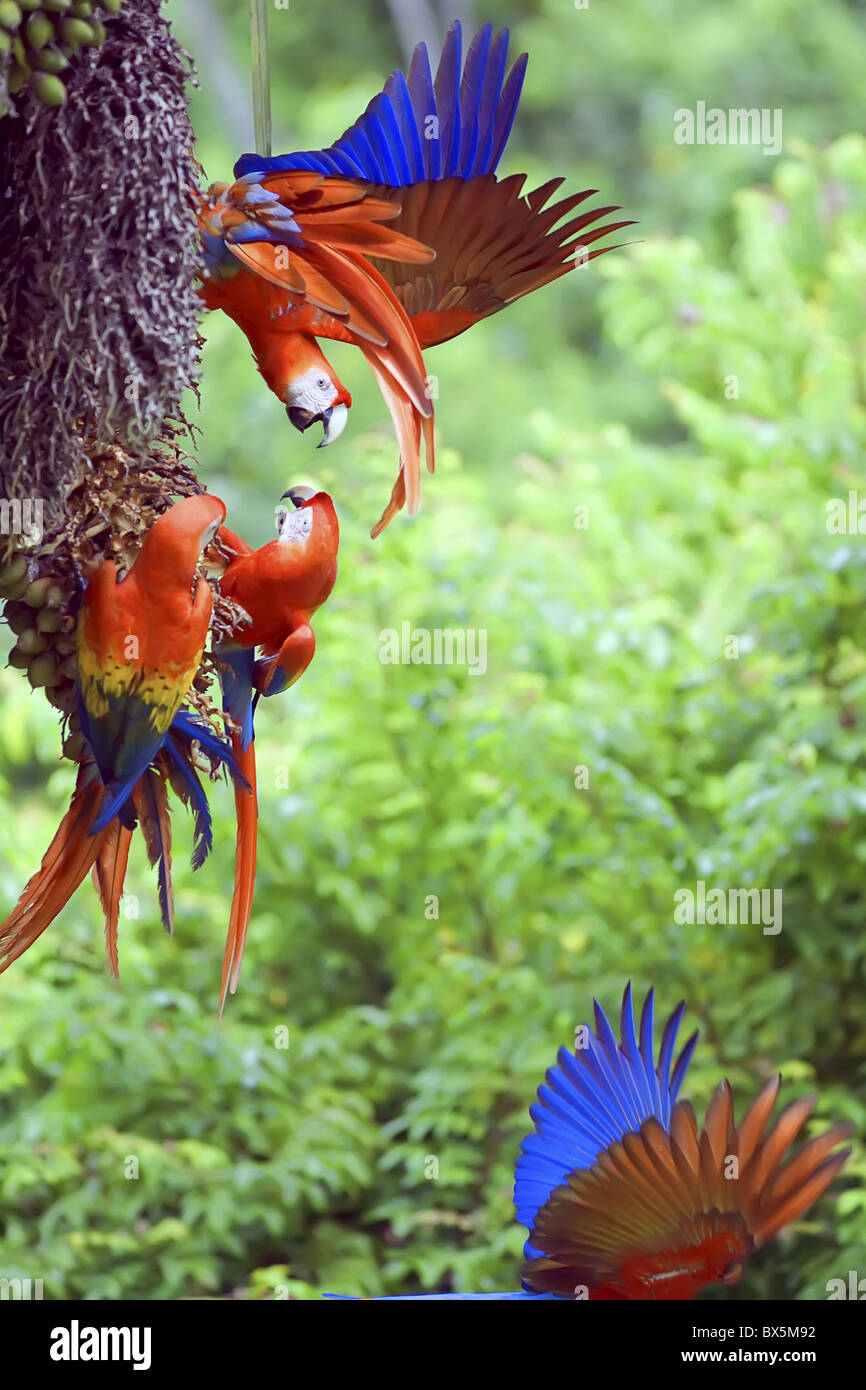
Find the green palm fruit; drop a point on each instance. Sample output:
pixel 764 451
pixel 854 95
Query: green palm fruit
pixel 11 575
pixel 38 30
pixel 49 89
pixel 50 60
pixel 74 31
pixel 36 594
pixel 10 15
pixel 18 78
pixel 49 620
pixel 32 642
pixel 20 660
pixel 43 671
pixel 19 617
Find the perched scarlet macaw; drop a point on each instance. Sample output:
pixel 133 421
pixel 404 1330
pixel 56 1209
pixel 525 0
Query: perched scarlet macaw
pixel 295 250
pixel 627 1197
pixel 280 586
pixel 139 643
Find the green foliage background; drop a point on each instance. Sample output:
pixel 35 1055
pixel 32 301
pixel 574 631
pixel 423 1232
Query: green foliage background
pixel 263 1168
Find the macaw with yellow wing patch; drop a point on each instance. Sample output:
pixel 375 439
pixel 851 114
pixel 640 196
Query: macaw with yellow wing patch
pixel 280 586
pixel 139 643
pixel 295 250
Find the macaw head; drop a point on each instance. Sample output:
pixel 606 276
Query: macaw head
pixel 308 507
pixel 317 395
pixel 309 526
pixel 299 373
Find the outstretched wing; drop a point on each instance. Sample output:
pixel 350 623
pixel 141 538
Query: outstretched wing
pixel 492 246
pixel 663 1212
pixel 593 1097
pixel 432 145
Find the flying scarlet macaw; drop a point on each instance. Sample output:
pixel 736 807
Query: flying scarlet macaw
pixel 627 1197
pixel 295 250
pixel 139 643
pixel 280 586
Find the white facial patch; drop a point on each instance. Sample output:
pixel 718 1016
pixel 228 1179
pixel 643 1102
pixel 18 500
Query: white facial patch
pixel 296 526
pixel 314 391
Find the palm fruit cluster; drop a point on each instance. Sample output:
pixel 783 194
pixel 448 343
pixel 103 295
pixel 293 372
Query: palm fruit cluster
pixel 98 320
pixel 39 39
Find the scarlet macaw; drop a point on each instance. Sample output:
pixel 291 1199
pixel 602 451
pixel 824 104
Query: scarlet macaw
pixel 294 250
pixel 626 1197
pixel 139 643
pixel 280 586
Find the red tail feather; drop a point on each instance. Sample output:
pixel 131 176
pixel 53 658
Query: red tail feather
pixel 246 805
pixel 64 867
pixel 109 873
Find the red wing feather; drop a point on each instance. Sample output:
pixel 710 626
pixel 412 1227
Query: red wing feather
pixel 492 246
pixel 660 1215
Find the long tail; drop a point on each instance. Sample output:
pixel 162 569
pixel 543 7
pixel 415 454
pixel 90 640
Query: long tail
pixel 109 872
pixel 64 867
pixel 246 805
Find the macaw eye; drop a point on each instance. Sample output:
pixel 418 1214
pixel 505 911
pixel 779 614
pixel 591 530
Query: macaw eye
pixel 322 383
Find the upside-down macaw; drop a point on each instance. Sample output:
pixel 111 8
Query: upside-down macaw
pixel 294 250
pixel 139 642
pixel 280 586
pixel 627 1197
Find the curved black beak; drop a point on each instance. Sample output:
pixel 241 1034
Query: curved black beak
pixel 333 421
pixel 301 419
pixel 298 495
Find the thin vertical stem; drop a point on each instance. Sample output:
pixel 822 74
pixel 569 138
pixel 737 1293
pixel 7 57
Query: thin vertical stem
pixel 261 76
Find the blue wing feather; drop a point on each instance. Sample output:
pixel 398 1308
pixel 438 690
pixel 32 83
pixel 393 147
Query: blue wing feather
pixel 423 98
pixel 202 822
pixel 390 143
pixel 446 85
pixel 593 1097
pixel 236 675
pixel 401 100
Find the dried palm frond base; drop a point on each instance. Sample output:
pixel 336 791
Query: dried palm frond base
pixel 105 516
